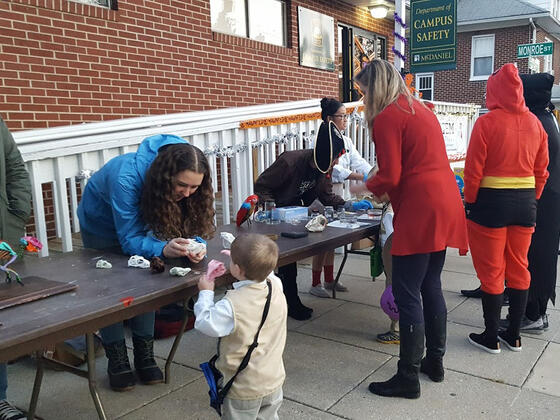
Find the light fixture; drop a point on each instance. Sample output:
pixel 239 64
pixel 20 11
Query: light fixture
pixel 378 12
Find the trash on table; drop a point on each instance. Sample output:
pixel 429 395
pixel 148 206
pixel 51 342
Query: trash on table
pixel 138 262
pixel 157 265
pixel 195 247
pixel 179 271
pixel 227 239
pixel 103 264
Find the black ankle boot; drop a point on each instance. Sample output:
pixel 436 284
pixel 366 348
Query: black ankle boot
pixel 488 340
pixel 436 335
pixel 144 361
pixel 405 383
pixel 121 377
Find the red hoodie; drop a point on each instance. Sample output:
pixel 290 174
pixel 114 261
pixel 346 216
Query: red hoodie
pixel 508 147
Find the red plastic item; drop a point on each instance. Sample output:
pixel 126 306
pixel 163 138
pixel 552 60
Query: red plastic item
pixel 126 301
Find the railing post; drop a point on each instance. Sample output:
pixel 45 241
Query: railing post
pixel 60 191
pixel 38 207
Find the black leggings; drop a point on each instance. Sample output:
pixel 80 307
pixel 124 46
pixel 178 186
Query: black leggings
pixel 417 286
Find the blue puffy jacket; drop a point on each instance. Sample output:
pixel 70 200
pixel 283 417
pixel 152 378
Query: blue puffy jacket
pixel 110 205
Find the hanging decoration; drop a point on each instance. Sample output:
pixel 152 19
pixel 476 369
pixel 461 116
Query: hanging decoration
pixel 225 151
pixel 277 139
pixel 397 35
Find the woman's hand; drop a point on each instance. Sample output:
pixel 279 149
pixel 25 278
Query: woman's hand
pixel 383 199
pixel 359 189
pixel 196 258
pixel 354 176
pixel 176 248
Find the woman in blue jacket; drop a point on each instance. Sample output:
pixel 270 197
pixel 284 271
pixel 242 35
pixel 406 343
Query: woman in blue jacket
pixel 146 203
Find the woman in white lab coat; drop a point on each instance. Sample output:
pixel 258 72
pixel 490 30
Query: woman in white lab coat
pixel 351 166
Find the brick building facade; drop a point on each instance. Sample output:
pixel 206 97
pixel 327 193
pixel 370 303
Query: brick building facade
pixel 456 86
pixel 63 62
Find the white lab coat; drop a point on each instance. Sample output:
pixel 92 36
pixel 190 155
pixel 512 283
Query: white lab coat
pixel 349 162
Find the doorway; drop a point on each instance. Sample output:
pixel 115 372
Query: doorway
pixel 356 47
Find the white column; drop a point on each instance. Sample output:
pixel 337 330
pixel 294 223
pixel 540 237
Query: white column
pixel 400 9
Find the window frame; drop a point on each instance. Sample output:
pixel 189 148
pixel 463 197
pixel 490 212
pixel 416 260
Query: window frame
pixel 113 4
pixel 417 83
pixel 247 25
pixel 484 77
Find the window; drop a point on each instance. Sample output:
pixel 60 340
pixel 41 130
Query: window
pixel 425 85
pixel 547 60
pixel 261 20
pixel 482 57
pixel 111 4
pixel 556 8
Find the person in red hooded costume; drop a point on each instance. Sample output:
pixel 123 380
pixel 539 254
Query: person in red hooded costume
pixel 505 172
pixel 414 173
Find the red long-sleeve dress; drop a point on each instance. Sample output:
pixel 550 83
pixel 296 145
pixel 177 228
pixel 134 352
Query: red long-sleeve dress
pixel 414 171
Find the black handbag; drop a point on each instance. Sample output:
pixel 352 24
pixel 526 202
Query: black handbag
pixel 214 377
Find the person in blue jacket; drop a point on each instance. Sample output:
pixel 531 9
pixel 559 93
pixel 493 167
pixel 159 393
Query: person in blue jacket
pixel 146 203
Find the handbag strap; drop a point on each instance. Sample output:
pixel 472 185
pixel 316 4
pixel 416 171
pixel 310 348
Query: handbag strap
pixel 252 347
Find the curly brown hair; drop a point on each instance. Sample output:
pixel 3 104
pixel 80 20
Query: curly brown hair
pixel 191 216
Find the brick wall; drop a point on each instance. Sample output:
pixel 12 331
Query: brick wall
pixel 455 86
pixel 63 62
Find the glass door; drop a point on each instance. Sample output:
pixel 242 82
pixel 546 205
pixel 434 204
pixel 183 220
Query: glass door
pixel 357 47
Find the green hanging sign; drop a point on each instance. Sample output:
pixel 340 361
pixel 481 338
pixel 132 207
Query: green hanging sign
pixel 433 35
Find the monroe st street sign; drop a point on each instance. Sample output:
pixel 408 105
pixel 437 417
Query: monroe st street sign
pixel 531 50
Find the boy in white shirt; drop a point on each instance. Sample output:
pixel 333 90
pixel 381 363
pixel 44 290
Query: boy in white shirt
pixel 257 390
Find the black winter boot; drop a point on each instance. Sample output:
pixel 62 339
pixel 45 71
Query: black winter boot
pixel 121 377
pixel 144 361
pixel 436 335
pixel 405 383
pixel 517 306
pixel 474 293
pixel 296 309
pixel 488 340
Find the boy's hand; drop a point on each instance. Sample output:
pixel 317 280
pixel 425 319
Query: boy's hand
pixel 205 284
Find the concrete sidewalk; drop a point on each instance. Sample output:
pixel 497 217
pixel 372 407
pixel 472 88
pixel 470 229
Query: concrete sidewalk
pixel 331 359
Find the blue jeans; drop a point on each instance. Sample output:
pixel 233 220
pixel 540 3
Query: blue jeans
pixel 141 325
pixel 3 381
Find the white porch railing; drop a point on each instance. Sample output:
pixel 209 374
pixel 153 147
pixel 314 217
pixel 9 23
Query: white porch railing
pixel 237 142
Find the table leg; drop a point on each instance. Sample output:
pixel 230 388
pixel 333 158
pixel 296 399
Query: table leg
pixel 339 272
pixel 36 386
pixel 91 376
pixel 176 343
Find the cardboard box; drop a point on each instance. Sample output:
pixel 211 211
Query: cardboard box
pixel 361 244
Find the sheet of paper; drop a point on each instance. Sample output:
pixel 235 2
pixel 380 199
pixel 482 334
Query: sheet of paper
pixel 339 224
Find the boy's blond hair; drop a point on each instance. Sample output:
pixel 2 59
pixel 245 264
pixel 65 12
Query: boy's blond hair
pixel 255 254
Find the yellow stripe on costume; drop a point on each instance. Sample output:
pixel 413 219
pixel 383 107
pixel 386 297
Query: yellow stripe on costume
pixel 509 182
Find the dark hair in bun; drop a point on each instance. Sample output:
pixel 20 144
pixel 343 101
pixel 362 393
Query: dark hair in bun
pixel 329 106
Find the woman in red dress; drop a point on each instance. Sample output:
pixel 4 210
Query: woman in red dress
pixel 415 175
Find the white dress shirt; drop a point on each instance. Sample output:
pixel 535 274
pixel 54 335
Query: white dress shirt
pixel 215 319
